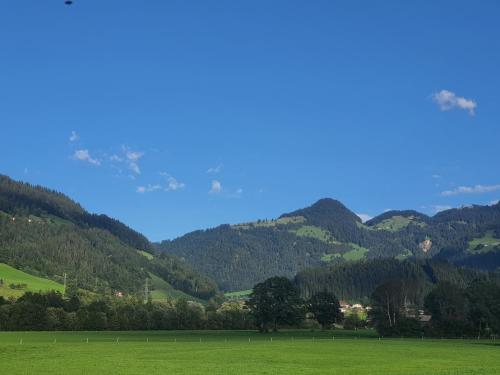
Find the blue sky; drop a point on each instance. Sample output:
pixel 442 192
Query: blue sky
pixel 178 115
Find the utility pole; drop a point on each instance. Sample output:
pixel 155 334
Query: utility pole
pixel 146 292
pixel 65 277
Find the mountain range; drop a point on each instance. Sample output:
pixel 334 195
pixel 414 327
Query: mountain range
pixel 46 234
pixel 328 233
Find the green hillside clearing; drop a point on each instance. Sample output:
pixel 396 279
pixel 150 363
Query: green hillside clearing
pixel 312 231
pixel 397 222
pixel 238 294
pixel 163 291
pixel 356 253
pixel 146 254
pixel 484 244
pixel 24 282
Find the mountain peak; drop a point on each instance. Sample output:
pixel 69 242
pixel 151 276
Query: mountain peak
pixel 326 209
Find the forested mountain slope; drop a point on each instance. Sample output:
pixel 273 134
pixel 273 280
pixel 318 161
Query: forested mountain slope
pixel 357 280
pixel 45 233
pixel 326 233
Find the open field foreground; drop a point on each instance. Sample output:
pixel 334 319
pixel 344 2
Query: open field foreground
pixel 292 352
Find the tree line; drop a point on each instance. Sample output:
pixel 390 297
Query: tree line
pixel 447 310
pixel 454 311
pixel 51 312
pixel 275 303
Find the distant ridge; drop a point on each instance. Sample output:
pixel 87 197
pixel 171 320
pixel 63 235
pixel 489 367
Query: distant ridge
pixel 328 233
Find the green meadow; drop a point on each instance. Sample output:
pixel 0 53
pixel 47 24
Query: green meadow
pixel 10 275
pixel 223 352
pixel 484 244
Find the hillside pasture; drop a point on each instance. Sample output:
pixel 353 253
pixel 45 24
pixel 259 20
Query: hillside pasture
pixel 23 282
pixel 484 244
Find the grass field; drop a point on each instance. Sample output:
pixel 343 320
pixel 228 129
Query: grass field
pixel 10 275
pixel 163 291
pixel 315 232
pixel 396 223
pixel 484 244
pixel 356 253
pixel 293 352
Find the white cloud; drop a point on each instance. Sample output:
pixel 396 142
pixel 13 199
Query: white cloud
pixel 438 208
pixel 216 187
pixel 436 176
pixel 215 170
pixel 84 155
pixel 147 189
pixel 492 203
pixel 447 100
pixel 478 189
pixel 173 184
pixel 116 158
pixel 364 217
pixel 134 155
pixel 74 136
pixel 132 159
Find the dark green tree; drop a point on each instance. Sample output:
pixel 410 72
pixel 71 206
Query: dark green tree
pixel 393 308
pixel 484 307
pixel 449 307
pixel 326 309
pixel 275 302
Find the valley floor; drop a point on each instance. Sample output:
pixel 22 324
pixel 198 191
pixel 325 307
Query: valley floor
pixel 222 352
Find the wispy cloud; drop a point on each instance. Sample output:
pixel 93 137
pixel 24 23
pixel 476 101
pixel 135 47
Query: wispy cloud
pixel 477 189
pixel 215 170
pixel 147 189
pixel 364 217
pixel 448 100
pixel 216 187
pixel 436 176
pixel 84 155
pixel 74 136
pixel 116 158
pixel 492 203
pixel 172 183
pixel 132 159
